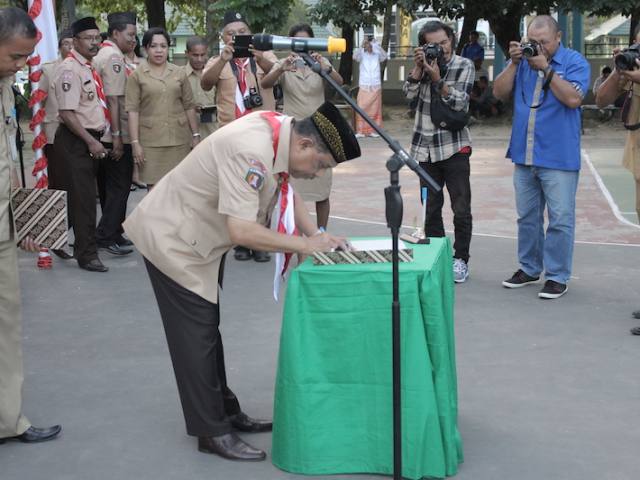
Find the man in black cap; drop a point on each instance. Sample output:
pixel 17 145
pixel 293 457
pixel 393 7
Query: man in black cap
pixel 215 198
pixel 83 114
pixel 235 79
pixel 114 173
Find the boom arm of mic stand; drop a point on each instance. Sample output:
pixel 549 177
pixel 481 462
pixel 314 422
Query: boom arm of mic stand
pixel 394 145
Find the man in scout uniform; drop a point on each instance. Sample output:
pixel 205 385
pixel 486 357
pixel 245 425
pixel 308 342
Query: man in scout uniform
pixel 235 80
pixel 17 41
pixel 58 178
pixel 205 100
pixel 221 194
pixel 115 170
pixel 83 114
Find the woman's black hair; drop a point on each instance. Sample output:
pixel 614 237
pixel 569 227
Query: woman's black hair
pixel 147 38
pixel 301 27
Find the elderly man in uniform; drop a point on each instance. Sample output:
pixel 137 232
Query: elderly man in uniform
pixel 205 99
pixel 115 170
pixel 57 175
pixel 17 41
pixel 221 195
pixel 235 79
pixel 83 114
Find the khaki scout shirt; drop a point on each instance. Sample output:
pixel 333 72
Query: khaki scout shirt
pixel 202 98
pixel 302 92
pixel 631 155
pixel 76 90
pixel 110 64
pixel 8 127
pixel 161 103
pixel 226 89
pixel 50 104
pixel 180 226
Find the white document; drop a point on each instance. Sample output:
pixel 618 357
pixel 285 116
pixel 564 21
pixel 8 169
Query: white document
pixel 377 244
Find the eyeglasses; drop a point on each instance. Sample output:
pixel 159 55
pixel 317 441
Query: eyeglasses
pixel 96 39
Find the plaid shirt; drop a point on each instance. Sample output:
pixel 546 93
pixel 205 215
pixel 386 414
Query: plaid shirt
pixel 431 144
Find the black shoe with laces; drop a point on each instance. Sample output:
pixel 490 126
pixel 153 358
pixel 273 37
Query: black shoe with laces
pixel 553 289
pixel 519 279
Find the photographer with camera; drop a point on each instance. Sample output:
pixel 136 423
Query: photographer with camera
pixel 548 88
pixel 236 74
pixel 625 79
pixel 441 81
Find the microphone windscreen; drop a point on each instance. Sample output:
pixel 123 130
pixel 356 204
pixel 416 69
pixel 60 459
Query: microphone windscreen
pixel 262 42
pixel 336 45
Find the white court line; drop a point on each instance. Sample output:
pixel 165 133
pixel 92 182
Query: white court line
pixel 605 191
pixel 489 235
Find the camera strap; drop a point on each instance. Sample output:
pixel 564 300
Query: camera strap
pixel 626 110
pixel 254 70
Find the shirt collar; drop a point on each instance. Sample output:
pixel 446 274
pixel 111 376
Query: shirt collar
pixel 560 56
pixel 188 69
pixel 146 68
pixel 281 163
pixel 80 58
pixel 110 43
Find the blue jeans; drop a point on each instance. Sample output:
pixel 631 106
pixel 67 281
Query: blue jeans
pixel 552 252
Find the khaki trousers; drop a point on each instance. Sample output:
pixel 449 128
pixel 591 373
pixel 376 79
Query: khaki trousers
pixel 12 422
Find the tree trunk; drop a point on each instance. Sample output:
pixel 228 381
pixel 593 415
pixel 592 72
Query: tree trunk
pixel 386 31
pixel 346 59
pixel 67 13
pixel 468 26
pixel 212 24
pixel 635 20
pixel 155 13
pixel 506 28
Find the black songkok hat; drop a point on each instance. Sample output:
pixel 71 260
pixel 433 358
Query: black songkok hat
pixel 120 18
pixel 336 132
pixel 66 33
pixel 231 17
pixel 86 23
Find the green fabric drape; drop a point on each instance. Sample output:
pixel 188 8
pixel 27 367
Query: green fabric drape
pixel 333 401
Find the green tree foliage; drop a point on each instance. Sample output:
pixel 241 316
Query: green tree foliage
pixel 262 15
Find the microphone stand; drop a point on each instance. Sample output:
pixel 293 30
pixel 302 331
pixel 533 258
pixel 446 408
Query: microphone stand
pixel 393 212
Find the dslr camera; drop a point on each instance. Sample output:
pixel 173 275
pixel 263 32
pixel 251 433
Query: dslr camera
pixel 433 51
pixel 253 100
pixel 530 48
pixel 626 60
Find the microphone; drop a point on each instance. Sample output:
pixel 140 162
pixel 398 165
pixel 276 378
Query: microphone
pixel 299 44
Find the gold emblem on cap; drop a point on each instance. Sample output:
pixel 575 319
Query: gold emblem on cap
pixel 330 134
pixel 238 16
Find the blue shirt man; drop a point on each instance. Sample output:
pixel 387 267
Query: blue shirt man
pixel 473 50
pixel 547 89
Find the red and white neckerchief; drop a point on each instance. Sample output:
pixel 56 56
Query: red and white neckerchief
pixel 241 86
pixel 102 99
pixel 285 219
pixel 127 68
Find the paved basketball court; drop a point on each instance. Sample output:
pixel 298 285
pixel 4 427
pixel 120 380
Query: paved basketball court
pixel 548 389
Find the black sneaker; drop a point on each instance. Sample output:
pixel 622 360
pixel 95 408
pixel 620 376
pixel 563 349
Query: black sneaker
pixel 636 314
pixel 519 279
pixel 553 289
pixel 115 249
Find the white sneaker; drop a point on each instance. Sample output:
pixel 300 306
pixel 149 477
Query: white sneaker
pixel 374 135
pixel 360 135
pixel 460 270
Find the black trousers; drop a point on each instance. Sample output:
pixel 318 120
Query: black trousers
pixel 454 174
pixel 191 327
pixel 58 177
pixel 82 170
pixel 114 185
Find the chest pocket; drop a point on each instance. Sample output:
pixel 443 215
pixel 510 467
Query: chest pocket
pixel 88 90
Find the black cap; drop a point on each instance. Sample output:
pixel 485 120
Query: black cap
pixel 231 17
pixel 336 132
pixel 66 33
pixel 119 18
pixel 86 23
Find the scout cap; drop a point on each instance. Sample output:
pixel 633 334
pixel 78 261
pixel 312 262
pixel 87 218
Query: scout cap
pixel 66 33
pixel 336 133
pixel 231 17
pixel 86 23
pixel 121 18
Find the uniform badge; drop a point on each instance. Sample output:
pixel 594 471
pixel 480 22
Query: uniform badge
pixel 66 86
pixel 255 178
pixel 259 165
pixel 91 95
pixel 117 67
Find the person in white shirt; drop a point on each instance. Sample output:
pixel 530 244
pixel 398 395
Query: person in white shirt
pixel 370 56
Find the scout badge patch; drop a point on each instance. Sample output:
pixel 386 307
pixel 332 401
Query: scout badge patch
pixel 255 174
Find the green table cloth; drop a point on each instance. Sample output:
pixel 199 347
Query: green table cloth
pixel 333 398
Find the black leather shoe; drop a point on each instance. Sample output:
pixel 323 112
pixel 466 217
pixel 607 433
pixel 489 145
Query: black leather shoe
pixel 63 254
pixel 124 242
pixel 230 446
pixel 115 249
pixel 635 331
pixel 242 254
pixel 636 314
pixel 94 265
pixel 261 257
pixel 244 423
pixel 35 434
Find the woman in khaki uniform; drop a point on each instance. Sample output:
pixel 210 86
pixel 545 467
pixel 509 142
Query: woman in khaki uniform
pixel 302 94
pixel 162 120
